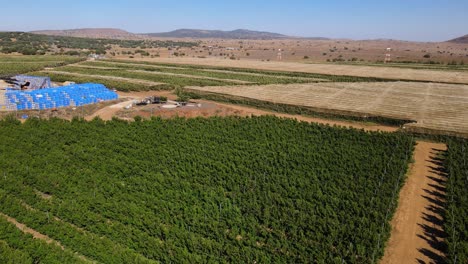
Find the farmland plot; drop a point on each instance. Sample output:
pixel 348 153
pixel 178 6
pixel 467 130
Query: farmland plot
pixel 433 106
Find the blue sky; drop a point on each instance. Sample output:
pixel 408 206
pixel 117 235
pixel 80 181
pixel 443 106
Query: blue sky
pixel 429 20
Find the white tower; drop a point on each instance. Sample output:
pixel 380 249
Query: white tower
pixel 388 56
pixel 279 56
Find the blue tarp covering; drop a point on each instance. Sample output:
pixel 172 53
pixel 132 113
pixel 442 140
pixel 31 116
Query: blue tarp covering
pixel 71 95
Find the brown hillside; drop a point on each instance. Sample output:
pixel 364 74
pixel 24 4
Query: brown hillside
pixel 109 33
pixel 460 40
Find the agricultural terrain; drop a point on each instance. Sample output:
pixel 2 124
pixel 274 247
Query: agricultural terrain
pixel 438 107
pixel 259 189
pixel 426 74
pixel 13 65
pixel 238 189
pixel 420 106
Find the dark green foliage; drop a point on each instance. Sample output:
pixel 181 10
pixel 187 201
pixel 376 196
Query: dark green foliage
pixel 12 65
pixel 238 190
pixel 456 215
pixel 35 44
pixel 17 247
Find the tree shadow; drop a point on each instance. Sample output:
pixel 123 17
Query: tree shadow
pixel 439 188
pixel 433 216
pixel 437 194
pixel 437 162
pixel 438 170
pixel 437 202
pixel 434 219
pixel 436 258
pixel 436 210
pixel 438 180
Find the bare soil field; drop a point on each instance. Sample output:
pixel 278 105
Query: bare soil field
pixel 306 50
pixel 441 107
pixel 331 69
pixel 417 226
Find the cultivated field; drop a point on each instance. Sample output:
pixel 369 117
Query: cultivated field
pixel 434 106
pixel 141 76
pixel 330 69
pixel 217 190
pixel 12 65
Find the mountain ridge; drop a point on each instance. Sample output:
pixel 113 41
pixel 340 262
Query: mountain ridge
pixel 233 34
pixel 460 40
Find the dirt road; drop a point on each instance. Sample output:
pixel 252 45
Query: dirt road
pixel 417 231
pixel 108 112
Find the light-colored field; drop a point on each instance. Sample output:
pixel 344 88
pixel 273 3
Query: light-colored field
pixel 144 82
pixel 434 106
pixel 332 69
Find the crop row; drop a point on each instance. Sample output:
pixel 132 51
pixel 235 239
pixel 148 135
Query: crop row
pixel 456 220
pixel 12 65
pixel 176 81
pixel 255 79
pixel 18 247
pixel 264 189
pixel 334 78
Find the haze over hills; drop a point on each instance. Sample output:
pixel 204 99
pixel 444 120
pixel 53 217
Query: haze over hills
pixel 234 34
pixel 460 40
pixel 114 33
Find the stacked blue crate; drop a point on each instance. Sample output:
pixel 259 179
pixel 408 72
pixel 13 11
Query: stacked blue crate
pixel 71 95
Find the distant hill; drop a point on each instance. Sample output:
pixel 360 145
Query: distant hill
pixel 460 40
pixel 105 33
pixel 234 34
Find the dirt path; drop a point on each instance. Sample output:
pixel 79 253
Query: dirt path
pixel 40 236
pixel 108 112
pixel 417 231
pixel 31 231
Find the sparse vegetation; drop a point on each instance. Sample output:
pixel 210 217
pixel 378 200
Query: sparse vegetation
pixel 32 44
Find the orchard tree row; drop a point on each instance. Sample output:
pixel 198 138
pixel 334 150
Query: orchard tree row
pixel 179 190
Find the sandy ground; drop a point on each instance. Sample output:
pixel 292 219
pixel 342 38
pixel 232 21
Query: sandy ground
pixel 349 70
pixel 417 231
pixel 108 112
pixel 211 108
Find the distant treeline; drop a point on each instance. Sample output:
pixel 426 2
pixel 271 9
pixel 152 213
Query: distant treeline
pixel 34 44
